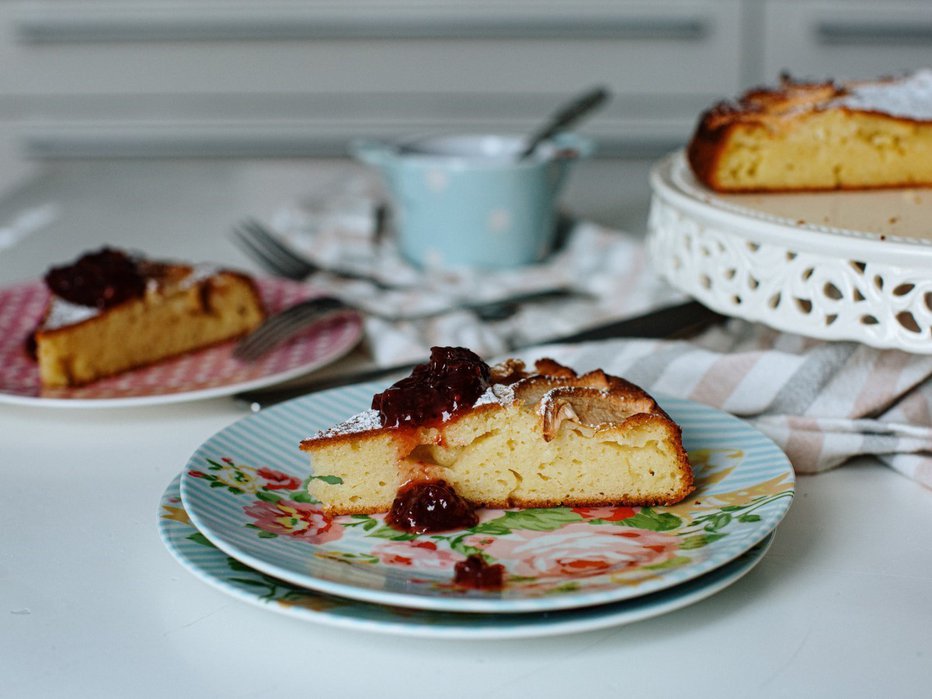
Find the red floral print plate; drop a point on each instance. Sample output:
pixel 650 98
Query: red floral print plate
pixel 245 491
pixel 206 562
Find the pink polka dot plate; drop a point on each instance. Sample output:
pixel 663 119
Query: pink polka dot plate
pixel 208 373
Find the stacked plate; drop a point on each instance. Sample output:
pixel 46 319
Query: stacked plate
pixel 239 518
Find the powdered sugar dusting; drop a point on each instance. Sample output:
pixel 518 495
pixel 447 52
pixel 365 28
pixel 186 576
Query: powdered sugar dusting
pixel 909 97
pixel 499 393
pixel 199 273
pixel 366 421
pixel 62 313
pixel 546 400
pixel 369 420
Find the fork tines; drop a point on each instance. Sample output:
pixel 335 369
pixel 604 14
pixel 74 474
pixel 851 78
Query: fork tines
pixel 284 325
pixel 274 255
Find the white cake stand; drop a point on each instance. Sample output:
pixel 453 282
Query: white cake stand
pixel 834 266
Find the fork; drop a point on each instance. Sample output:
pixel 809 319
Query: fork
pixel 279 259
pixel 285 324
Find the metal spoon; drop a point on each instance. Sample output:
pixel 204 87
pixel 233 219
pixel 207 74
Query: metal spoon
pixel 566 115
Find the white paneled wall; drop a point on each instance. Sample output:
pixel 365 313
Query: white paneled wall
pixel 847 38
pixel 159 78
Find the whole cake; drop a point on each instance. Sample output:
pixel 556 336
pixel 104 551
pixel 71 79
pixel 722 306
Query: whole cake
pixel 803 136
pixel 109 312
pixel 457 434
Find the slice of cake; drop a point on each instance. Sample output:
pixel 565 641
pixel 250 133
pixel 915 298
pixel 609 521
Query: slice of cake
pixel 109 312
pixel 818 136
pixel 458 430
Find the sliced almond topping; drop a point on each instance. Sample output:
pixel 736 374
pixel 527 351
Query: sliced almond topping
pixel 507 372
pixel 588 407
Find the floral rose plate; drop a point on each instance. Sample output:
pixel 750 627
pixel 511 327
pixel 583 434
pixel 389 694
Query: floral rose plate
pixel 245 491
pixel 207 373
pixel 196 553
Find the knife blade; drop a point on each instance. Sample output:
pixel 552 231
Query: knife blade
pixel 668 322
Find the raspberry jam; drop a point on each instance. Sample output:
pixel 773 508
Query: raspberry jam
pixel 452 380
pixel 424 507
pixel 474 573
pixel 98 279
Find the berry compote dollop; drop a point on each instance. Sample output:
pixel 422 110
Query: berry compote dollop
pixel 423 507
pixel 452 380
pixel 98 279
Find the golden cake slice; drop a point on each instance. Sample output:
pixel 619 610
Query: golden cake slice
pixel 110 312
pixel 499 437
pixel 802 136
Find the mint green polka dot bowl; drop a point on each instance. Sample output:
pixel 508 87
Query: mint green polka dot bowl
pixel 470 201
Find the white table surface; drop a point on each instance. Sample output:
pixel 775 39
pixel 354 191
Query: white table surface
pixel 92 604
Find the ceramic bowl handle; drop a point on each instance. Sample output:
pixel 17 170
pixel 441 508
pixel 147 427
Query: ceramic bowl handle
pixel 572 146
pixel 568 147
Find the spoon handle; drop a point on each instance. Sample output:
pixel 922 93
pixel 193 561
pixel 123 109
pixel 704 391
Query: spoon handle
pixel 565 116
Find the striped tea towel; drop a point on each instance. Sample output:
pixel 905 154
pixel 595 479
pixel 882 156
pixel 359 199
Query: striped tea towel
pixel 822 402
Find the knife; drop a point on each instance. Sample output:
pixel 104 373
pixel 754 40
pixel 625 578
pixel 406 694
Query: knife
pixel 669 322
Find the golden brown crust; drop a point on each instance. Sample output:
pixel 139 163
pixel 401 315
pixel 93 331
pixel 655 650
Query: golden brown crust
pixel 758 108
pixel 627 500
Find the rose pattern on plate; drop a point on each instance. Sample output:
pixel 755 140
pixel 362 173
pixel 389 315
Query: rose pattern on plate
pixel 278 480
pixel 554 549
pixel 581 550
pixel 267 588
pixel 423 555
pixel 298 520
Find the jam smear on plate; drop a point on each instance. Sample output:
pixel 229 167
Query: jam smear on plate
pixel 474 573
pixel 424 507
pixel 452 380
